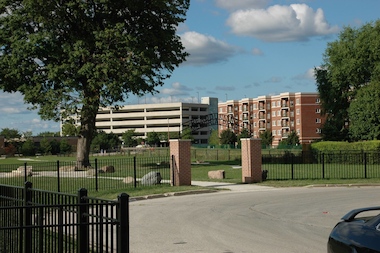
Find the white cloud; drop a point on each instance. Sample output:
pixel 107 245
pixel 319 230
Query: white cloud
pixel 297 22
pixel 241 4
pixel 225 88
pixel 176 89
pixel 308 75
pixel 257 51
pixel 206 49
pixel 274 79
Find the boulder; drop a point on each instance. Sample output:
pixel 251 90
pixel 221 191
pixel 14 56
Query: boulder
pixel 129 180
pixel 216 174
pixel 152 178
pixel 107 169
pixel 68 168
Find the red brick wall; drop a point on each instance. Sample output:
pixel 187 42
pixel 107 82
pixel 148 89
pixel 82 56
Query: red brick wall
pixel 180 166
pixel 251 160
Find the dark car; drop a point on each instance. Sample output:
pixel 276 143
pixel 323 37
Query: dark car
pixel 356 233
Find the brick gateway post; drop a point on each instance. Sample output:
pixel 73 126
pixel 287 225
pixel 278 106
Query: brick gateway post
pixel 180 164
pixel 251 160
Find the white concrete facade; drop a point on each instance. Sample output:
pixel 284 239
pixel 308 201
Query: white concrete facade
pixel 159 118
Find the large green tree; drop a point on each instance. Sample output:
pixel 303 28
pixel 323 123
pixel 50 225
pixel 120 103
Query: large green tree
pixel 364 113
pixel 73 56
pixel 10 133
pixel 350 62
pixel 228 137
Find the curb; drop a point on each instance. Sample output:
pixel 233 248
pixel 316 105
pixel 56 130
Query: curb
pixel 170 194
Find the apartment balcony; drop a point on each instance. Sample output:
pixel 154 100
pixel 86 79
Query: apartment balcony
pixel 285 115
pixel 285 135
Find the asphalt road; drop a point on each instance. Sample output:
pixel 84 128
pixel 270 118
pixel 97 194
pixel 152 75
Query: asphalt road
pixel 267 220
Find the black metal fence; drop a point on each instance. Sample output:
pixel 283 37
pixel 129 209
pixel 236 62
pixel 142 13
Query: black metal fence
pixel 107 173
pixel 34 221
pixel 316 165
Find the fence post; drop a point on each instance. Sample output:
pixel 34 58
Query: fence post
pixel 365 164
pixel 134 172
pixel 323 165
pixel 96 175
pixel 83 231
pixel 28 218
pixel 123 217
pixel 25 172
pixel 58 178
pixel 292 166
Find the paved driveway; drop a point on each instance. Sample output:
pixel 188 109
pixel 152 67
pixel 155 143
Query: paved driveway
pixel 244 220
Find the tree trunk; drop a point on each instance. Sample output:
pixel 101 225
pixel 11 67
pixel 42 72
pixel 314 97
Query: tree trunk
pixel 86 134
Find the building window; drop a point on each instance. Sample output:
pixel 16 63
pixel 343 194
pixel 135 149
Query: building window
pixel 317 120
pixel 318 131
pixel 273 123
pixel 297 101
pixel 278 122
pixel 317 100
pixel 279 132
pixel 318 110
pixel 278 113
pixel 268 106
pixel 268 115
pixel 273 104
pixel 291 113
pixel 298 121
pixel 273 113
pixel 254 106
pixel 278 104
pixel 291 103
pixel 221 110
pixel 298 111
pixel 298 131
pixel 273 132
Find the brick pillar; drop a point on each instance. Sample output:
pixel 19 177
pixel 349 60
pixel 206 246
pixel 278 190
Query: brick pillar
pixel 251 160
pixel 180 165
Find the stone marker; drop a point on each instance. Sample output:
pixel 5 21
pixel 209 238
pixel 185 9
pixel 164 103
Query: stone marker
pixel 152 178
pixel 216 174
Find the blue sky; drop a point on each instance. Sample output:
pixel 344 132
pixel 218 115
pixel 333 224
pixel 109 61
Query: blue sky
pixel 238 49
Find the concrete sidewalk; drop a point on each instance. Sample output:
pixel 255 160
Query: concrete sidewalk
pixel 233 187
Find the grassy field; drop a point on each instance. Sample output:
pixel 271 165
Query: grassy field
pixel 199 173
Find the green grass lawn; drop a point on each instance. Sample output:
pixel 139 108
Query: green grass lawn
pixel 110 186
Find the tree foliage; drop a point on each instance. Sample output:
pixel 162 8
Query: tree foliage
pixel 266 138
pixel 10 133
pixel 153 139
pixel 104 141
pixel 28 148
pixel 228 137
pixel 85 54
pixel 129 138
pixel 292 140
pixel 350 63
pixel 214 138
pixel 364 113
pixel 69 129
pixel 187 134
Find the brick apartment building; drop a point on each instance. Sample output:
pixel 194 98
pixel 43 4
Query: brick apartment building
pixel 280 114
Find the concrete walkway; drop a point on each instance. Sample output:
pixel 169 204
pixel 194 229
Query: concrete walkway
pixel 233 187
